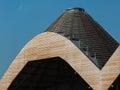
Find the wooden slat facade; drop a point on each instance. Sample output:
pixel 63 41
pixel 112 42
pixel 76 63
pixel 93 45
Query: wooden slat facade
pixel 48 44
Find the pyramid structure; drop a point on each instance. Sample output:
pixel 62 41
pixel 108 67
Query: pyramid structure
pixel 76 25
pixel 74 42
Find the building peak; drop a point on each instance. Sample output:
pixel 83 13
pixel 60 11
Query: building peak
pixel 86 34
pixel 74 9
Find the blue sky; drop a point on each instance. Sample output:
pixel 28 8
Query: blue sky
pixel 20 20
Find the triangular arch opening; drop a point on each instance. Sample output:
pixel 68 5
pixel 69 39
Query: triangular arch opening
pixel 48 74
pixel 116 84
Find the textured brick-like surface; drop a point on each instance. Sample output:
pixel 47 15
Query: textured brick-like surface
pixel 87 35
pixel 48 44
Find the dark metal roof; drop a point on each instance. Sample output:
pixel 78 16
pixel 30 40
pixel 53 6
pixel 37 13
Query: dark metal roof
pixel 76 25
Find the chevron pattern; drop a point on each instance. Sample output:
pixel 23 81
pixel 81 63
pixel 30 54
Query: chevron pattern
pixel 49 44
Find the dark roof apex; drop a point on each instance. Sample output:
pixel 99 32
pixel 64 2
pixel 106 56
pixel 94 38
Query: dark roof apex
pixel 76 8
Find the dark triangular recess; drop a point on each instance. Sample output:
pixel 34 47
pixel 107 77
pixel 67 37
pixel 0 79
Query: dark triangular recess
pixel 48 74
pixel 76 25
pixel 116 84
